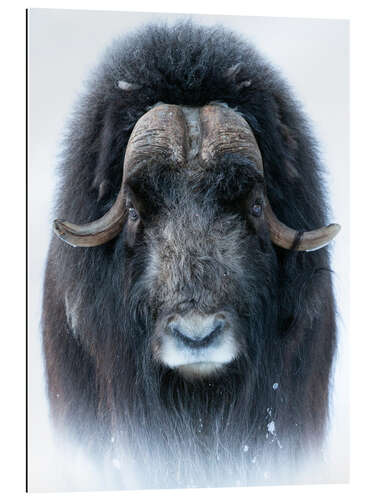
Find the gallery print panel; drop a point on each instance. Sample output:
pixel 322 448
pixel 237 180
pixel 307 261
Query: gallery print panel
pixel 188 178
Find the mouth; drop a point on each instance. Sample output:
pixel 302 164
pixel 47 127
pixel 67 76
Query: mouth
pixel 200 369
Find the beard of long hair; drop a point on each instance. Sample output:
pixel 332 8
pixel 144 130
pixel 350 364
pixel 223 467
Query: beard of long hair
pixel 182 432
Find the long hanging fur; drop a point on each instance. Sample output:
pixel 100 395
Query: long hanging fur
pixel 103 386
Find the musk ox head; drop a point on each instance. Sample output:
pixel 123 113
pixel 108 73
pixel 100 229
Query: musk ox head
pixel 193 200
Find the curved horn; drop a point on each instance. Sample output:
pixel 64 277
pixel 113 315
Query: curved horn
pixel 224 130
pixel 160 132
pixel 285 237
pixel 96 232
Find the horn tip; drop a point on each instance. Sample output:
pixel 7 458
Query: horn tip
pixel 331 231
pixel 58 226
pixel 334 229
pixel 60 231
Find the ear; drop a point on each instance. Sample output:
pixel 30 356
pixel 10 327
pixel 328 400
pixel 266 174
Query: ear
pixel 238 76
pixel 291 144
pixel 305 293
pixel 127 86
pixel 107 167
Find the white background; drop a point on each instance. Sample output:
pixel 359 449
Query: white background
pixel 361 343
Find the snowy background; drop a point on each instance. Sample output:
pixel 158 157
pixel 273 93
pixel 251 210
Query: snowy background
pixel 313 55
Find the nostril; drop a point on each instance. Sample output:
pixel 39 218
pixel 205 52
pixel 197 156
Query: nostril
pixel 194 341
pixel 220 316
pixel 196 330
pixel 219 321
pixel 178 334
pixel 171 320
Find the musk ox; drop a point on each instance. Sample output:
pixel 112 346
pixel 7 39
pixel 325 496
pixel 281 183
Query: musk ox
pixel 189 319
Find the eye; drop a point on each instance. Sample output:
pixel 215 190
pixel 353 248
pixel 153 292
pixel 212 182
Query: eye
pixel 133 214
pixel 257 208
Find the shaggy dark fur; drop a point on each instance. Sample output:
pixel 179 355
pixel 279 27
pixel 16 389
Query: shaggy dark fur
pixel 99 315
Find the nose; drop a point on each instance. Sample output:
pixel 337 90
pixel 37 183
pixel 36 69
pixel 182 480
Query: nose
pixel 196 330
